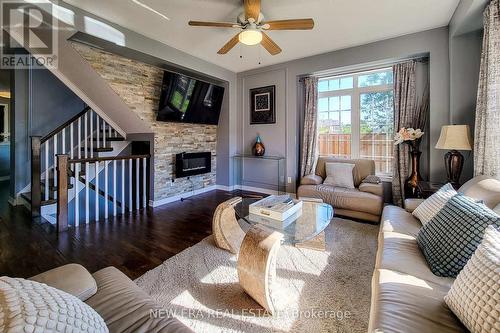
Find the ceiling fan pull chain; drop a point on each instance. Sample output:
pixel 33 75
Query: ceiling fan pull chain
pixel 260 55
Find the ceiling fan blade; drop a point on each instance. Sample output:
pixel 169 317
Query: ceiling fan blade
pixel 269 44
pixel 229 45
pixel 213 24
pixel 252 9
pixel 298 24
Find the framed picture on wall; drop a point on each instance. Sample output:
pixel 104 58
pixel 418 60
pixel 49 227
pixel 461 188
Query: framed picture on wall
pixel 262 105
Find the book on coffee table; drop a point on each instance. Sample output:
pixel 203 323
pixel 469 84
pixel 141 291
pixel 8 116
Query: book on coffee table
pixel 276 207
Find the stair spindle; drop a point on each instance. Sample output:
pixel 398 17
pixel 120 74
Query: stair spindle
pixel 55 163
pixel 130 185
pixel 79 140
pixel 144 186
pixel 71 146
pixel 137 184
pixel 104 133
pixel 96 191
pixel 87 186
pixel 63 141
pixel 91 134
pixel 114 188
pixel 47 171
pixel 98 125
pixel 106 198
pixel 123 186
pixel 86 135
pixel 77 194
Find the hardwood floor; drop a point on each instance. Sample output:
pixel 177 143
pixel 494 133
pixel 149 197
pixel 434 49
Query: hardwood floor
pixel 134 244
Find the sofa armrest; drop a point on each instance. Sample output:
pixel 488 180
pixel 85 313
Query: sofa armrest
pixel 72 278
pixel 377 189
pixel 311 180
pixel 412 204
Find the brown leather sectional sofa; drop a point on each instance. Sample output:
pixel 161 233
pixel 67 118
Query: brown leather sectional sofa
pixel 363 202
pixel 406 295
pixel 118 300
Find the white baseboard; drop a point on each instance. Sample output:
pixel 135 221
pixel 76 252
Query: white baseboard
pixel 156 203
pixel 255 189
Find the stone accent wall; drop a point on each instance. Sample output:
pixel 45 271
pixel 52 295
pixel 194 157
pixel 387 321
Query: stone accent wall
pixel 139 85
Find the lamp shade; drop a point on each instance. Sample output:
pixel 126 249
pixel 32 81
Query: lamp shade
pixel 455 137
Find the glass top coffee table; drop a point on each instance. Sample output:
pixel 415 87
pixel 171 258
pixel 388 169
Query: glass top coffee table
pixel 257 241
pixel 312 220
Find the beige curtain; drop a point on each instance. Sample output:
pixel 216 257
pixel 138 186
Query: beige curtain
pixel 487 128
pixel 310 134
pixel 406 114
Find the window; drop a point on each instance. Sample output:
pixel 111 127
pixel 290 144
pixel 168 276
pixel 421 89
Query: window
pixel 356 117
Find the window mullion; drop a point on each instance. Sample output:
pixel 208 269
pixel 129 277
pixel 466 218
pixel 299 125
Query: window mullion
pixel 355 131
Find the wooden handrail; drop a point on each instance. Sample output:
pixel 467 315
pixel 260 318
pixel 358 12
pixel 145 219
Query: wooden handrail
pixel 63 126
pixel 105 159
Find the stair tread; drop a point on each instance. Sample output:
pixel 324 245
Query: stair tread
pixel 112 138
pixel 100 149
pixel 27 197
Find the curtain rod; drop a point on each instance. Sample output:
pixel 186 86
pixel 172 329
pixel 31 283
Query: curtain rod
pixel 363 67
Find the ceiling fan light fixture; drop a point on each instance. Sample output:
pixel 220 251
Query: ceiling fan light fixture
pixel 250 37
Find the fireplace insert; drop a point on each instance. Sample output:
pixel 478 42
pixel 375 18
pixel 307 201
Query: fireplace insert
pixel 190 164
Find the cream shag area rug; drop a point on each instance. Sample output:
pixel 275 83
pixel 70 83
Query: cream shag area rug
pixel 315 292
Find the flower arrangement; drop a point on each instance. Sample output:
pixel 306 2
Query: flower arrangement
pixel 410 136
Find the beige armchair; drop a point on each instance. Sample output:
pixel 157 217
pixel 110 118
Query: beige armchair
pixel 364 202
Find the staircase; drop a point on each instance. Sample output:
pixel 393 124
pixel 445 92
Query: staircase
pixel 82 172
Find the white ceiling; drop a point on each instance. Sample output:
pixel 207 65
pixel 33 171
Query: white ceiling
pixel 338 24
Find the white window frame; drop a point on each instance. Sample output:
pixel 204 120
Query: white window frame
pixel 355 92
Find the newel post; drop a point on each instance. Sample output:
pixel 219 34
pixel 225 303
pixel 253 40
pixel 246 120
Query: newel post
pixel 62 192
pixel 36 166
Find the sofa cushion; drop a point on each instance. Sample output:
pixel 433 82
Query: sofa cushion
pixel 377 189
pixel 71 278
pixel 311 180
pixel 362 169
pixel 339 174
pixel 344 198
pixel 483 188
pixel 126 308
pixel 474 296
pixel 30 306
pixel 452 236
pixel 404 303
pixel 396 219
pixel 401 253
pixel 433 204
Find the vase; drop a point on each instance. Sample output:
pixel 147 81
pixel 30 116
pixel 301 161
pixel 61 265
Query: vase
pixel 258 148
pixel 411 183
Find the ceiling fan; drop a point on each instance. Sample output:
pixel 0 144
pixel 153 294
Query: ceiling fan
pixel 252 25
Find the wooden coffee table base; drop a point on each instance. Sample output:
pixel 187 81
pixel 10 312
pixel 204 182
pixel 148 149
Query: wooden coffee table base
pixel 257 264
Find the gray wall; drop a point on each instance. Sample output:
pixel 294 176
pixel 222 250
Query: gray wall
pixel 284 136
pixel 41 104
pixel 465 38
pixel 465 60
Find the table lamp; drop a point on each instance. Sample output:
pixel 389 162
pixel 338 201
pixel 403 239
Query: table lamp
pixel 454 138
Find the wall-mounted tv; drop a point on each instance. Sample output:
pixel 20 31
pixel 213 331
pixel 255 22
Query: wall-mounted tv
pixel 187 100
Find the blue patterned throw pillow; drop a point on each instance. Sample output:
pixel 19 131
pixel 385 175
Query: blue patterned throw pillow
pixel 452 236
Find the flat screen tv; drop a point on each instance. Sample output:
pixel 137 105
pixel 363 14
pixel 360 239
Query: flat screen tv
pixel 187 100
